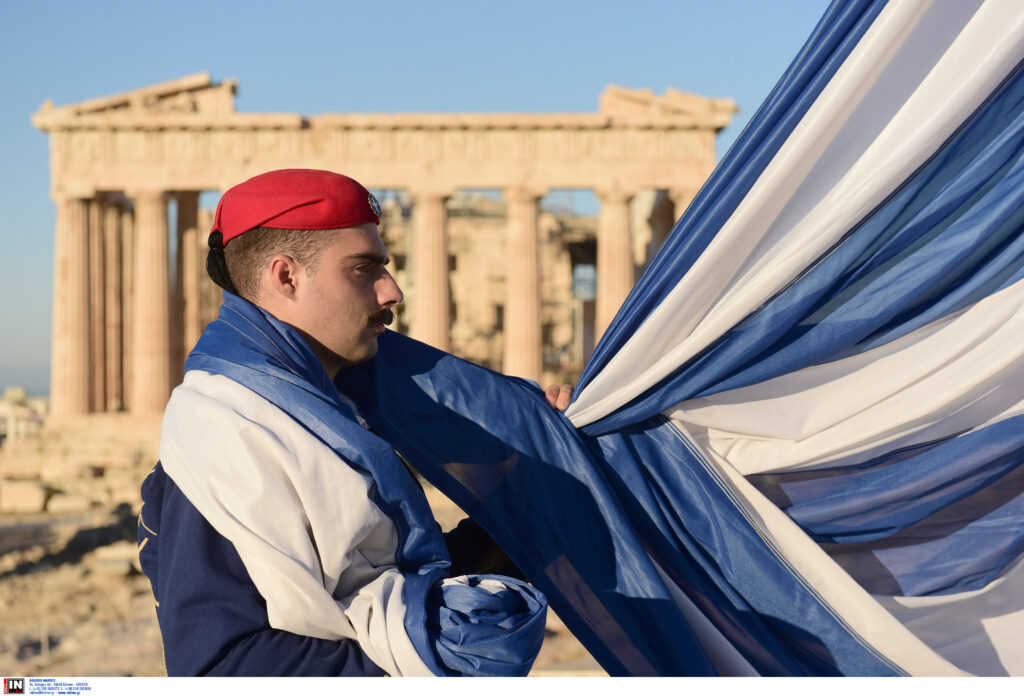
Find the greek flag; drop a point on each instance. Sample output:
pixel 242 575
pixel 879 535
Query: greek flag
pixel 798 447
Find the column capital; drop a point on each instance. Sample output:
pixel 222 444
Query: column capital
pixel 66 195
pixel 613 195
pixel 682 193
pixel 150 195
pixel 430 194
pixel 523 194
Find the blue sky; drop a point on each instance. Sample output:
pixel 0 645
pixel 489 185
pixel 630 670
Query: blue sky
pixel 322 57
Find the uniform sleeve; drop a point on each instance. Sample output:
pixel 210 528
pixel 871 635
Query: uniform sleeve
pixel 212 618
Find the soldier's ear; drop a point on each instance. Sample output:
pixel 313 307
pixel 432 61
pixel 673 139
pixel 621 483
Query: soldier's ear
pixel 283 276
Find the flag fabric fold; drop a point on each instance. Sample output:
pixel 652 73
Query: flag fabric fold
pixel 798 447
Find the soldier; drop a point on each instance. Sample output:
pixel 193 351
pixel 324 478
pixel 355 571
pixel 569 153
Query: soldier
pixel 280 535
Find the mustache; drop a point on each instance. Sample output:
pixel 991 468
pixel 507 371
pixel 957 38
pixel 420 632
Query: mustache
pixel 382 316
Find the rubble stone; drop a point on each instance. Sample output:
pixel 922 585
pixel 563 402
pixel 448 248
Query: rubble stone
pixel 60 504
pixel 22 496
pixel 116 559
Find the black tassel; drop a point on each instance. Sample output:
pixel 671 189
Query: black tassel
pixel 217 265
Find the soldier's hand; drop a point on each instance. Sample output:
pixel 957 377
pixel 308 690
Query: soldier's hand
pixel 558 396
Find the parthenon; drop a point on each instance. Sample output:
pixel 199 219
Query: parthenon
pixel 128 302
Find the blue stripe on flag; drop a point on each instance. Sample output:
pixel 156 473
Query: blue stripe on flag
pixel 960 548
pixel 896 491
pixel 833 39
pixel 950 236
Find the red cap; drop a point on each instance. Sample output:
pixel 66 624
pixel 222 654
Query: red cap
pixel 294 199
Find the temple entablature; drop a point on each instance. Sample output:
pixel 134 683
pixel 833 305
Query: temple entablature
pixel 186 134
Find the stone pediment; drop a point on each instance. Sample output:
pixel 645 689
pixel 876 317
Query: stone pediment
pixel 642 107
pixel 191 101
pixel 197 102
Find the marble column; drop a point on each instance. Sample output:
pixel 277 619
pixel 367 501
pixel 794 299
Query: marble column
pixel 523 356
pixel 193 266
pixel 113 262
pixel 97 303
pixel 681 198
pixel 151 340
pixel 70 358
pixel 615 270
pixel 127 301
pixel 185 293
pixel 211 296
pixel 431 321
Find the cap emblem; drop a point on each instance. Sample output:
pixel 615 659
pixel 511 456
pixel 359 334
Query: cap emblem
pixel 374 205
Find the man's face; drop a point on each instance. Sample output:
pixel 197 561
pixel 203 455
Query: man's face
pixel 345 304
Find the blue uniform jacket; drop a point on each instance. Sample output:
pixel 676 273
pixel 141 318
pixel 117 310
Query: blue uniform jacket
pixel 212 617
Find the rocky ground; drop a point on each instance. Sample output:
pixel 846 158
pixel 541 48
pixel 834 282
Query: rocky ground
pixel 73 603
